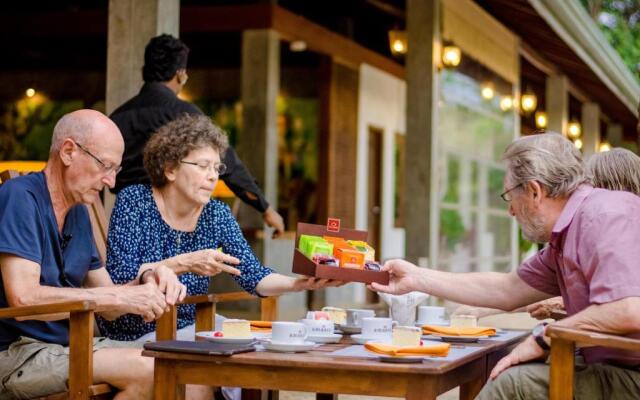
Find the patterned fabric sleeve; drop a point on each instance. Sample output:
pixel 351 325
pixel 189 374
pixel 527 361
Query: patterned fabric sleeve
pixel 234 244
pixel 125 234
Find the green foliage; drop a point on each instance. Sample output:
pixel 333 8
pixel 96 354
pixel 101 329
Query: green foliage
pixel 619 21
pixel 27 125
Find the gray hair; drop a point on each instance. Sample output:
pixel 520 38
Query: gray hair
pixel 549 159
pixel 618 169
pixel 71 126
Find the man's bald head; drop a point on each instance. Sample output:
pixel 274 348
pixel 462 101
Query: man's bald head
pixel 84 126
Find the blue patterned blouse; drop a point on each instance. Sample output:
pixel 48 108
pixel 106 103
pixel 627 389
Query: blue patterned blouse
pixel 139 235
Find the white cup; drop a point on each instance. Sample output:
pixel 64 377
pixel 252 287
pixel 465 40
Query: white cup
pixel 431 315
pixel 289 332
pixel 318 327
pixel 355 316
pixel 377 328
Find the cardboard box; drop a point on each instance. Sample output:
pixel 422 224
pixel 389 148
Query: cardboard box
pixel 304 266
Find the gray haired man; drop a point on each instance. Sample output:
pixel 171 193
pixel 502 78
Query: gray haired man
pixel 591 260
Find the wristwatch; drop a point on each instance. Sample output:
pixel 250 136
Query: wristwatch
pixel 538 335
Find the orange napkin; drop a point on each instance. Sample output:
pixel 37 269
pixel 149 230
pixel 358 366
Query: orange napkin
pixel 260 326
pixel 450 331
pixel 439 350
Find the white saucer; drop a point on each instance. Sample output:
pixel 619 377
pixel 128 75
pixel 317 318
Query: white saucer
pixel 333 338
pixel 288 347
pixel 208 335
pixel 350 329
pixel 459 339
pixel 363 340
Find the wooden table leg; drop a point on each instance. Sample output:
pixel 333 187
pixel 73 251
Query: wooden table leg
pixel 165 383
pixel 421 388
pixel 470 390
pixel 326 396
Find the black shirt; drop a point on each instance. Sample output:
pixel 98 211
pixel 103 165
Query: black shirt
pixel 153 107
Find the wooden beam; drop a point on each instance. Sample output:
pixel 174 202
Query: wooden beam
pixel 548 68
pixel 343 50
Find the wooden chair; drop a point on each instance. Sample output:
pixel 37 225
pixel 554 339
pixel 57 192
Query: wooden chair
pixel 563 346
pixel 82 316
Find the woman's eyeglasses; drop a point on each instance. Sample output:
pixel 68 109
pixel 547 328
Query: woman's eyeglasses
pixel 207 166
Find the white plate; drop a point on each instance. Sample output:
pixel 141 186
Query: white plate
pixel 208 335
pixel 333 338
pixel 459 339
pixel 363 340
pixel 350 329
pixel 288 347
pixel 402 359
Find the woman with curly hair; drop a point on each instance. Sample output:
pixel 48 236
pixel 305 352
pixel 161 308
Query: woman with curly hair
pixel 174 222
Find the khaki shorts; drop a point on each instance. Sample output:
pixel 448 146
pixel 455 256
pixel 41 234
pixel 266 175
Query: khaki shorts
pixel 30 368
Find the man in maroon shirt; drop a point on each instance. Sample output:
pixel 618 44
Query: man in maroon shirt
pixel 591 260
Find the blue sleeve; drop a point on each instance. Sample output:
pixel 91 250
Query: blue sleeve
pixel 234 244
pixel 21 234
pixel 124 238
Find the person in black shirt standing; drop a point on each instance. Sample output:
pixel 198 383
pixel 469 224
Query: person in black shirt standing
pixel 164 74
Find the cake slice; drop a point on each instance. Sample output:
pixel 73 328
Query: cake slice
pixel 236 328
pixel 337 315
pixel 406 336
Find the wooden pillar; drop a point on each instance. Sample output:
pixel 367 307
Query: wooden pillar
pixel 614 135
pixel 340 139
pixel 423 25
pixel 590 128
pixel 132 23
pixel 557 103
pixel 258 139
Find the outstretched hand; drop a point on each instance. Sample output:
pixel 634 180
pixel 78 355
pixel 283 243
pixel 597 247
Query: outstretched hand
pixel 404 277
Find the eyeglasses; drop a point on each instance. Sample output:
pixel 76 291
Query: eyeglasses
pixel 220 168
pixel 106 168
pixel 506 196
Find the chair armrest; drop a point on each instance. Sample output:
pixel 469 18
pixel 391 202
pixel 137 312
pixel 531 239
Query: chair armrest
pixel 199 299
pixel 592 338
pixel 49 308
pixel 234 296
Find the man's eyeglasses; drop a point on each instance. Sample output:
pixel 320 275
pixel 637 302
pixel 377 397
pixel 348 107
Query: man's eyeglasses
pixel 506 196
pixel 106 168
pixel 220 168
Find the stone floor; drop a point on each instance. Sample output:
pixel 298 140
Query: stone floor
pixel 450 395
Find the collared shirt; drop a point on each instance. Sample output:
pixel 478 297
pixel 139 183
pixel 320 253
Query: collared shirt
pixel 593 257
pixel 28 229
pixel 153 107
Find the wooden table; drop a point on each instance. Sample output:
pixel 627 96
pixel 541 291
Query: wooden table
pixel 319 372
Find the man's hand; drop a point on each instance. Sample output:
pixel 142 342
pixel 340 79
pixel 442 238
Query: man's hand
pixel 526 351
pixel 168 284
pixel 274 220
pixel 145 300
pixel 209 262
pixel 311 283
pixel 544 309
pixel 403 277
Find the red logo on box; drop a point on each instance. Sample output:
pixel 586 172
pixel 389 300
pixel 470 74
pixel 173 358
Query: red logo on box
pixel 333 225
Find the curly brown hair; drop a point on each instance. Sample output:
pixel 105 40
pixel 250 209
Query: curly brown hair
pixel 175 140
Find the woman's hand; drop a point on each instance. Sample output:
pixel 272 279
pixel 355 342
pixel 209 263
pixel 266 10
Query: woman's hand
pixel 311 283
pixel 209 262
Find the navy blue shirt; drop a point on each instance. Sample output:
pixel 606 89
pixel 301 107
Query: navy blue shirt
pixel 28 229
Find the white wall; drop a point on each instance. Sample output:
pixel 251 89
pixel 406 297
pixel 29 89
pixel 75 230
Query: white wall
pixel 381 104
